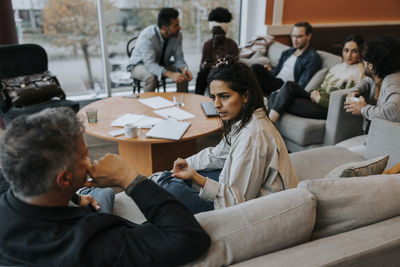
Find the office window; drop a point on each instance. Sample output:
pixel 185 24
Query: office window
pixel 68 30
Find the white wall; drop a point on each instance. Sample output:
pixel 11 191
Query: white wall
pixel 252 20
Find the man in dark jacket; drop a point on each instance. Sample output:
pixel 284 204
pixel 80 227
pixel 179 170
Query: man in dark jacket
pixel 45 160
pixel 297 64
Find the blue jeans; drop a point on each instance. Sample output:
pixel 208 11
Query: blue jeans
pixel 104 196
pixel 182 190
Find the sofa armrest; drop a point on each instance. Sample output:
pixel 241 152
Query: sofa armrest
pixel 383 139
pixel 340 125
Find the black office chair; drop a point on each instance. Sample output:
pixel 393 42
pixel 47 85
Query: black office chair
pixel 17 60
pixel 136 83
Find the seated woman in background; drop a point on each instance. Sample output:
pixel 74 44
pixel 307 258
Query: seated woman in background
pixel 295 100
pixel 217 47
pixel 250 161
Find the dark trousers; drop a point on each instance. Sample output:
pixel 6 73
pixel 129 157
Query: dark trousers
pixel 201 80
pixel 268 82
pixel 182 190
pixel 294 99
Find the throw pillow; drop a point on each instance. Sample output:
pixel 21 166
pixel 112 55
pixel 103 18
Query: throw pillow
pixel 363 168
pixel 316 80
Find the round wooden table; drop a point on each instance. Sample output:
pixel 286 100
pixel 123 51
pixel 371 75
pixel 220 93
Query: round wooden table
pixel 149 155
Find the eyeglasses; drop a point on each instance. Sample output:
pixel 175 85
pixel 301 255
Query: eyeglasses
pixel 297 36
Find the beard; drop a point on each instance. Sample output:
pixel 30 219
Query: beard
pixel 171 34
pixel 368 72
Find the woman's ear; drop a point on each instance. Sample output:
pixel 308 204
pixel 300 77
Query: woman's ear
pixel 245 96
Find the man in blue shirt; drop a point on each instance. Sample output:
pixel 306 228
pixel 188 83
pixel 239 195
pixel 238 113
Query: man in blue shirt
pixel 156 44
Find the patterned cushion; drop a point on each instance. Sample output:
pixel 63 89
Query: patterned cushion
pixel 364 168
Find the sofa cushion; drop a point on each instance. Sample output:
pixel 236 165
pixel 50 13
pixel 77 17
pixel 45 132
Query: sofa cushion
pixel 316 80
pixel 302 131
pixel 355 144
pixel 275 51
pixel 383 139
pixel 346 204
pixel 328 59
pixel 317 162
pixel 363 168
pixel 256 227
pixel 374 245
pixel 125 207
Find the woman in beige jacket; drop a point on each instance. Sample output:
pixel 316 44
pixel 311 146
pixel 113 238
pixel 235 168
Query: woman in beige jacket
pixel 251 160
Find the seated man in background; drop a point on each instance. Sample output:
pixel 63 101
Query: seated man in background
pixel 217 47
pixel 156 44
pixel 45 160
pixel 297 64
pixel 382 65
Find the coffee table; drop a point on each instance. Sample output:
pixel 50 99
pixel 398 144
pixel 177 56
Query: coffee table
pixel 149 155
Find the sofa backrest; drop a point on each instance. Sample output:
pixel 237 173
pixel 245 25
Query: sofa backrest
pixel 328 59
pixel 275 51
pixel 383 139
pixel 345 204
pixel 276 48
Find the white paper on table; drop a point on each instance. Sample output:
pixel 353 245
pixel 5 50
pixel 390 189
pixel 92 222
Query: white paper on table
pixel 126 118
pixel 141 121
pixel 174 113
pixel 156 102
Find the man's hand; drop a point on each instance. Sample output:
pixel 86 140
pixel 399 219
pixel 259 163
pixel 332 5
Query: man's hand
pixel 355 107
pixel 187 74
pixel 315 96
pixel 268 67
pixel 87 199
pixel 111 170
pixel 175 76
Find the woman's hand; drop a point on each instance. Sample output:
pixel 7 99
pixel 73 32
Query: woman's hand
pixel 315 96
pixel 87 199
pixel 182 170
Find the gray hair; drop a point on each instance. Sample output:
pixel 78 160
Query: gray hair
pixel 36 148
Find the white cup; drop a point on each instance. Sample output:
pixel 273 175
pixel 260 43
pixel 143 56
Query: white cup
pixel 130 130
pixel 354 99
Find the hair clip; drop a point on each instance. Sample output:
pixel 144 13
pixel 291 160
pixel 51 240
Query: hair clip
pixel 223 61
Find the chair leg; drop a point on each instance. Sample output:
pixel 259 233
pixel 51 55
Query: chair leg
pixel 164 83
pixel 136 85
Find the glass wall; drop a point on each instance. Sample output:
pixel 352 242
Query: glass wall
pixel 133 16
pixel 68 30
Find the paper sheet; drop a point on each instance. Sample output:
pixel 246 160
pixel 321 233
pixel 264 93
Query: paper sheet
pixel 156 102
pixel 141 121
pixel 174 113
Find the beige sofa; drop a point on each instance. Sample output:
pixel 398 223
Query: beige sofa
pixel 322 222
